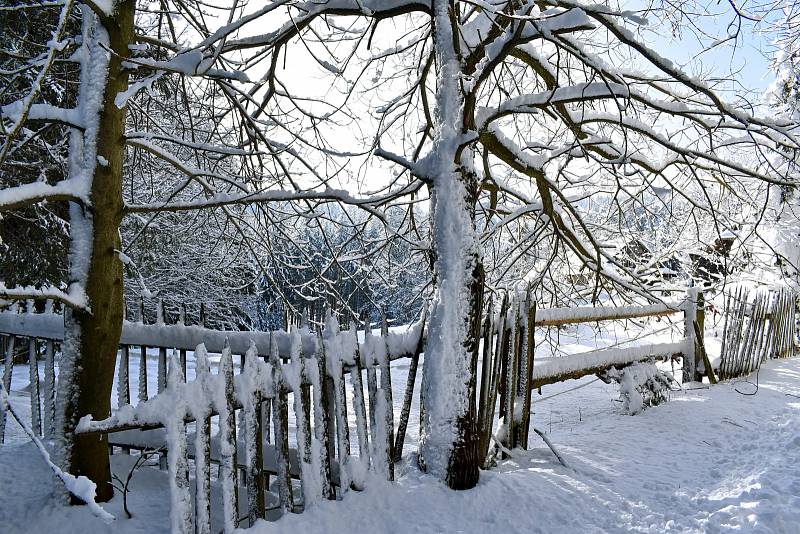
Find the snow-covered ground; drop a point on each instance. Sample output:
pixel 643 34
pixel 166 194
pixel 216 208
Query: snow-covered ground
pixel 710 460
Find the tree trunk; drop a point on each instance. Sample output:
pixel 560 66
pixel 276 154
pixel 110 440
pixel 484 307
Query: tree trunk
pixel 92 336
pixel 449 446
pixel 449 436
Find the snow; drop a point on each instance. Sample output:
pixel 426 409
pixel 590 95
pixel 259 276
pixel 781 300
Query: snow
pixel 399 343
pixel 596 313
pixel 81 487
pixel 453 233
pixel 106 6
pixel 41 112
pixel 548 368
pixel 708 460
pixel 189 63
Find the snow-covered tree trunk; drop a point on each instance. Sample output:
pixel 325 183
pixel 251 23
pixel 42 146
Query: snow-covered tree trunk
pixel 92 334
pixel 448 441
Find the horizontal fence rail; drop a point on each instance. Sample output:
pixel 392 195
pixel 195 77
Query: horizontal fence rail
pixel 184 337
pixel 588 314
pixel 552 370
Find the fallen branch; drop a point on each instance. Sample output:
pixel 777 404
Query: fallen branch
pixel 552 448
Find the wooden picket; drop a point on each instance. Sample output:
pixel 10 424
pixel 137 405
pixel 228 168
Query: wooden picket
pixel 7 373
pixel 756 329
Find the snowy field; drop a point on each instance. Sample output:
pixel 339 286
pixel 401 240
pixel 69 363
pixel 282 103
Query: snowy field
pixel 710 460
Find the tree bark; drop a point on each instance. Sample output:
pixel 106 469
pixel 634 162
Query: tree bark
pixel 449 434
pixel 92 336
pixel 449 439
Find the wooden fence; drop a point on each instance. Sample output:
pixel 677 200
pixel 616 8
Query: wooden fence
pixel 305 371
pixel 322 461
pixel 759 325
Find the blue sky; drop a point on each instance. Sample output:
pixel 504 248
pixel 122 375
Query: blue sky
pixel 749 58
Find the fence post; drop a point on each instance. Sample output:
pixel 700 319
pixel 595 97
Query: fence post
pixel 49 401
pixel 227 439
pixel 323 426
pixel 9 366
pixel 530 350
pixel 409 392
pixel 142 359
pixel 254 443
pixel 49 389
pixel 689 317
pixel 123 381
pixel 202 446
pixel 280 420
pixel 33 370
pixel 162 351
pixel 181 512
pixel 512 371
pixel 386 390
pixel 182 352
pixel 699 346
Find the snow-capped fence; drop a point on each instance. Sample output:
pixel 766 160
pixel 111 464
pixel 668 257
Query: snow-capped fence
pixel 314 378
pixel 757 329
pixel 304 371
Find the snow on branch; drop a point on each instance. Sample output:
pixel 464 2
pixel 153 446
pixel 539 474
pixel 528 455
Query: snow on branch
pixel 71 189
pixel 189 63
pixel 75 298
pixel 692 155
pixel 581 92
pixel 227 199
pixel 378 9
pixel 601 14
pixel 20 111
